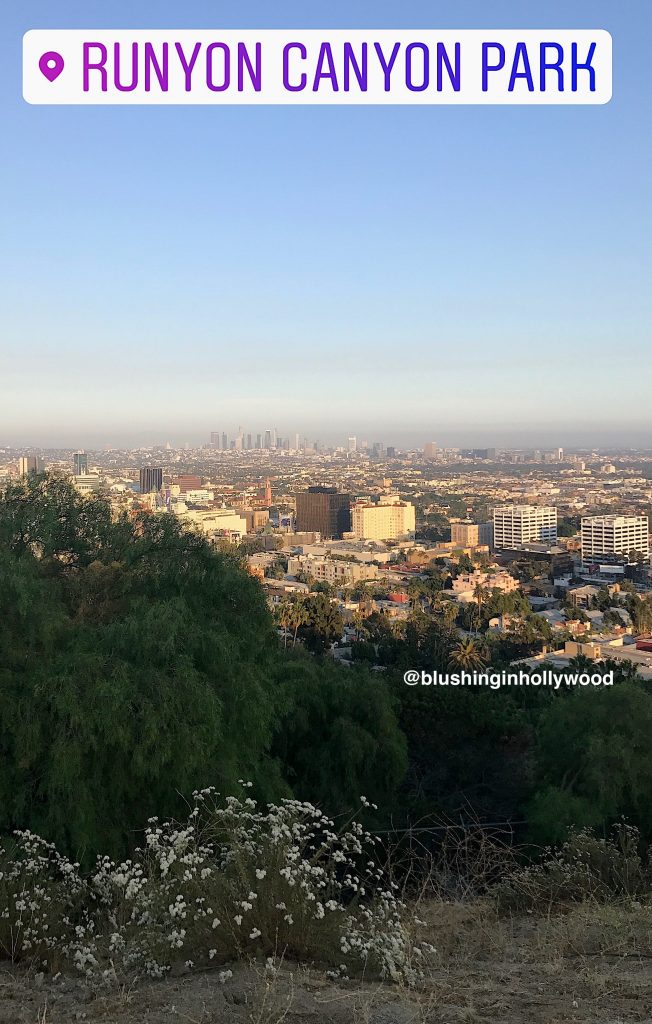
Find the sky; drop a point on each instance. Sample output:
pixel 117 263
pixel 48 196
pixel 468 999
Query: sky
pixel 473 275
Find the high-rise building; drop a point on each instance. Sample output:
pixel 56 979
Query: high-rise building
pixel 431 450
pixel 225 443
pixel 516 525
pixel 268 439
pixel 615 539
pixel 30 465
pixel 151 479
pixel 353 444
pixel 80 464
pixel 388 519
pixel 259 441
pixel 215 438
pixel 323 510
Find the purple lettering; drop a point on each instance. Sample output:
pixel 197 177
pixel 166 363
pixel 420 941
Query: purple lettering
pixel 387 65
pixel 454 74
pixel 325 57
pixel 209 67
pixel 98 66
pixel 554 65
pixel 188 65
pixel 520 54
pixel 152 64
pixel 351 64
pixel 286 67
pixel 134 68
pixel 409 50
pixel 244 61
pixel 486 66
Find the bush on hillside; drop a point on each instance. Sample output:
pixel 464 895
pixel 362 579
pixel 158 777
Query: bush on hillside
pixel 232 880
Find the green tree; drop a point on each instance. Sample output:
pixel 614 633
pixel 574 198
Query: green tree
pixel 467 655
pixel 594 761
pixel 322 623
pixel 137 664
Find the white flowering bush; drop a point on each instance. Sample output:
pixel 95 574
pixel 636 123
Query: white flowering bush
pixel 233 880
pixel 43 903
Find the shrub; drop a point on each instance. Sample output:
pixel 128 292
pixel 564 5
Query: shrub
pixel 233 880
pixel 585 867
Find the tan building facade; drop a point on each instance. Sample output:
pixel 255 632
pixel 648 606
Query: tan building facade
pixel 332 570
pixel 389 519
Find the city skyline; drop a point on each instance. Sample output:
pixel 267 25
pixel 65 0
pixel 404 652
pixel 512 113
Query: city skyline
pixel 479 273
pixel 520 441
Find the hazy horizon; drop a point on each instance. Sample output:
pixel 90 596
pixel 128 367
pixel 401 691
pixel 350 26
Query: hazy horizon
pixel 532 438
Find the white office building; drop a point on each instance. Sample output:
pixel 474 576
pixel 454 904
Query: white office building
pixel 516 525
pixel 614 539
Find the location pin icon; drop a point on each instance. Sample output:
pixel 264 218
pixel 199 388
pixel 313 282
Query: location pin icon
pixel 51 65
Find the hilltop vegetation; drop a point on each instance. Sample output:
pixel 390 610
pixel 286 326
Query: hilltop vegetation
pixel 138 664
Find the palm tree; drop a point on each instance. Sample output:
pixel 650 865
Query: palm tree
pixel 449 611
pixel 358 621
pixel 479 595
pixel 467 655
pixel 298 617
pixel 283 616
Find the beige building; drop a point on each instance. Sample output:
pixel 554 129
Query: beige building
pixel 388 519
pixel 257 519
pixel 332 570
pixel 471 535
pixel 464 585
pixel 87 483
pixel 29 465
pixel 216 522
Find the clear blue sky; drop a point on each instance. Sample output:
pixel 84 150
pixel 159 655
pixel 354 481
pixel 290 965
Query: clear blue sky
pixel 479 275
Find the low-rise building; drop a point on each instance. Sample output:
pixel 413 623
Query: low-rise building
pixel 331 570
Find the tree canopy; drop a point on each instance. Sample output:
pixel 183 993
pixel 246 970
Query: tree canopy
pixel 137 664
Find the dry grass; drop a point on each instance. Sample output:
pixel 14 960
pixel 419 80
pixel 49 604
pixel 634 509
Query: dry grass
pixel 591 964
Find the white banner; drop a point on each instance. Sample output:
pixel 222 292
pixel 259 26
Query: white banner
pixel 417 66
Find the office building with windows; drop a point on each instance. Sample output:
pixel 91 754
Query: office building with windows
pixel 615 539
pixel 323 510
pixel 30 465
pixel 80 464
pixel 517 525
pixel 151 479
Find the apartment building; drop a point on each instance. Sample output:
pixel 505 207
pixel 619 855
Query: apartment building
pixel 332 570
pixel 387 519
